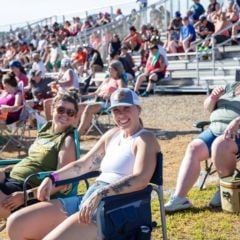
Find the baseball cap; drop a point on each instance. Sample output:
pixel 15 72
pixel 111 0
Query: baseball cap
pixel 66 62
pixel 34 73
pixel 15 63
pixel 177 14
pixel 124 97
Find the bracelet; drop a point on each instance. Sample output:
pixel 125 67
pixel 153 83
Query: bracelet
pixel 54 177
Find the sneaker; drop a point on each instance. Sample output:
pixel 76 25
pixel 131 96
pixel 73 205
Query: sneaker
pixel 216 200
pixel 176 203
pixel 145 94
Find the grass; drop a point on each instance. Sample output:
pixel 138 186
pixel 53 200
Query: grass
pixel 200 222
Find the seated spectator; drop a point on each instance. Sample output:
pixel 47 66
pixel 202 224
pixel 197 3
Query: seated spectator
pixel 197 8
pixel 128 143
pixel 204 29
pixel 213 9
pixel 129 69
pixel 187 34
pixel 176 23
pixel 79 60
pixel 114 45
pixel 52 149
pixel 54 57
pixel 119 15
pixel 39 88
pixel 94 61
pixel 115 80
pixel 11 100
pixel 133 40
pixel 171 44
pixel 232 12
pixel 154 71
pixel 38 64
pixel 223 103
pixel 20 73
pixel 76 27
pixel 221 34
pixel 67 76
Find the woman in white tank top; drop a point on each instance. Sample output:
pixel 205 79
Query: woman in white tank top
pixel 126 156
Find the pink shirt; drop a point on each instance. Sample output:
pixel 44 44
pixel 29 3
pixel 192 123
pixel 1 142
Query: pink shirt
pixel 108 86
pixel 22 77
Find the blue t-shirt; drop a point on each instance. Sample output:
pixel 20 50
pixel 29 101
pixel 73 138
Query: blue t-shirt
pixel 198 9
pixel 185 31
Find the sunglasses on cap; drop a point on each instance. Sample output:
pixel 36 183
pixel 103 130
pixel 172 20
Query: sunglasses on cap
pixel 62 110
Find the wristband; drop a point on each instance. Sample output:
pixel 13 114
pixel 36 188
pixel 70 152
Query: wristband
pixel 54 177
pixel 30 195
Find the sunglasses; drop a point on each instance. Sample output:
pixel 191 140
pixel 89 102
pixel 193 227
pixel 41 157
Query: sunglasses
pixel 62 110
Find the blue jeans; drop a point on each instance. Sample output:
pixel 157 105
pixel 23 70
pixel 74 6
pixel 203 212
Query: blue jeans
pixel 208 138
pixel 72 205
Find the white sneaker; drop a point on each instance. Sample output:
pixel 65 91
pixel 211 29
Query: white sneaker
pixel 176 203
pixel 216 199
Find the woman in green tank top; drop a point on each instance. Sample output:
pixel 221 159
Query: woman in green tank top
pixel 52 149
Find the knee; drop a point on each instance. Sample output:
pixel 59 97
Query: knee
pixel 14 228
pixel 221 146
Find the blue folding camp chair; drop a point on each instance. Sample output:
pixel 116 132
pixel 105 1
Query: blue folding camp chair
pixel 128 216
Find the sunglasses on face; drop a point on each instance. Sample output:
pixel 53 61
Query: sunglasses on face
pixel 62 110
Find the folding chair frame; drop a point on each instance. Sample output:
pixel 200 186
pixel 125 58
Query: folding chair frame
pixel 157 181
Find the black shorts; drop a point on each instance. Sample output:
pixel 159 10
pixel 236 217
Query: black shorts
pixel 160 75
pixel 137 47
pixel 10 185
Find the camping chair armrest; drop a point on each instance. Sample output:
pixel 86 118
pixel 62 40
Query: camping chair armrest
pixel 77 179
pixel 42 175
pixel 9 162
pixel 201 124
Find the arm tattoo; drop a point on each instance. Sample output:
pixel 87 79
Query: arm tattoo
pixel 77 168
pixel 118 187
pixel 104 192
pixel 96 161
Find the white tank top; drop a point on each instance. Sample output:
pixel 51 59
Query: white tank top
pixel 119 159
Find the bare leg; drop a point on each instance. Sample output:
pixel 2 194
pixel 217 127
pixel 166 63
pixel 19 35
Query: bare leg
pixel 139 81
pixel 35 221
pixel 152 79
pixel 87 116
pixel 196 152
pixel 4 213
pixel 224 156
pixel 72 229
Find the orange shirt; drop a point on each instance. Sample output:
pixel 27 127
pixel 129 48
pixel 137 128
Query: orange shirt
pixel 80 57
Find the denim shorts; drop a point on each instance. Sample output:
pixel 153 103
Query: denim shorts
pixel 208 138
pixel 72 204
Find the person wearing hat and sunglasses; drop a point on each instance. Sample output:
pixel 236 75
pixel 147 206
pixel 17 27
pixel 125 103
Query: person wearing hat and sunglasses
pixel 126 156
pixel 155 69
pixel 52 149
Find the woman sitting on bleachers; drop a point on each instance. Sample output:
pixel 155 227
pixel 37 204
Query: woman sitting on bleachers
pixel 11 100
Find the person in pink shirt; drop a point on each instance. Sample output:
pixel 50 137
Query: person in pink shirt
pixel 10 100
pixel 19 72
pixel 114 81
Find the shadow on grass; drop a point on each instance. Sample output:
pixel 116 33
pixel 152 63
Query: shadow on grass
pixel 196 210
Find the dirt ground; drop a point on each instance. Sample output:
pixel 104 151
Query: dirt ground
pixel 171 118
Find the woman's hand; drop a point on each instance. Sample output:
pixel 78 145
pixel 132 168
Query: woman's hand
pixel 88 208
pixel 231 132
pixel 44 190
pixel 217 92
pixel 13 201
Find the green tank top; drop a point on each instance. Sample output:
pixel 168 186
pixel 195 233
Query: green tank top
pixel 42 155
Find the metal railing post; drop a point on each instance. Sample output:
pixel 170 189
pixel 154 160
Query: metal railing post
pixel 213 55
